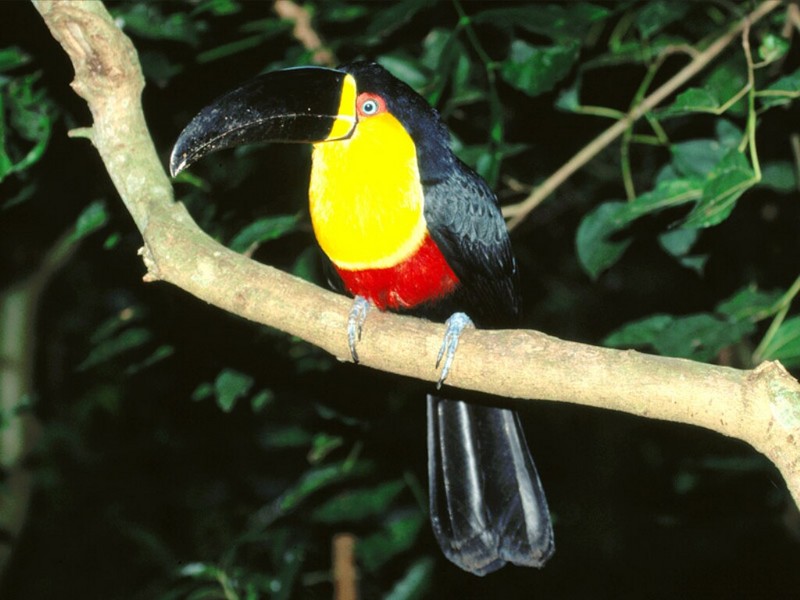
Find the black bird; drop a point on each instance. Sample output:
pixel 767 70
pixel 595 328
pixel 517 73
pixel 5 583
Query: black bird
pixel 407 227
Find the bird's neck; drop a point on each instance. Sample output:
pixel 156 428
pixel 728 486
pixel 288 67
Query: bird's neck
pixel 366 199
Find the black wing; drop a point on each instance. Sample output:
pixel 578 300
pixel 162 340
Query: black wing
pixel 464 220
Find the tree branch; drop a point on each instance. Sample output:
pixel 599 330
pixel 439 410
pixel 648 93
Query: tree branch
pixel 761 406
pixel 516 213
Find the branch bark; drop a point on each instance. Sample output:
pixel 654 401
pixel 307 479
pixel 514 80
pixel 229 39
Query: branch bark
pixel 760 406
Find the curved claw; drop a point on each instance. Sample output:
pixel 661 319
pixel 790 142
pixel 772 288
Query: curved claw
pixel 355 324
pixel 455 325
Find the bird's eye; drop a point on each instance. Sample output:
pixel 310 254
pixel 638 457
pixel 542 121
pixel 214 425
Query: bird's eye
pixel 370 107
pixel 370 104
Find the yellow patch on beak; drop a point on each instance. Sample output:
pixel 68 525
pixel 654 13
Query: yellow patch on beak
pixel 346 115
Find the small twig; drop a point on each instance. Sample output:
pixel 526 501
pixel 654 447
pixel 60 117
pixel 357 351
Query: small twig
pixel 304 32
pixel 794 139
pixel 518 212
pixel 345 574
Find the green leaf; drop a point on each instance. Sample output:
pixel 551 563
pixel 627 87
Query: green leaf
pixel 318 478
pixel 322 445
pixel 694 100
pixel 656 15
pixel 229 386
pixel 264 230
pixel 218 8
pixel 126 340
pixel 726 183
pixel 415 583
pixel 358 504
pixel 397 535
pixel 699 337
pixel 596 250
pixel 30 114
pixel 772 47
pixel 261 400
pixel 290 436
pixel 749 303
pixel 406 68
pixel 697 158
pixel 262 31
pixel 392 18
pixel 92 218
pixel 779 175
pixel 13 57
pixel 163 352
pixel 785 344
pixel 678 243
pixel 783 91
pixel 148 21
pixel 643 332
pixel 537 69
pixel 557 21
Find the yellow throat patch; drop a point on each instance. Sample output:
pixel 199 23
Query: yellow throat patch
pixel 365 196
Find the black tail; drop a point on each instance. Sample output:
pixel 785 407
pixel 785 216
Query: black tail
pixel 486 501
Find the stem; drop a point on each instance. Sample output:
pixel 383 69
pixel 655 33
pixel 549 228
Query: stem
pixel 497 131
pixel 782 308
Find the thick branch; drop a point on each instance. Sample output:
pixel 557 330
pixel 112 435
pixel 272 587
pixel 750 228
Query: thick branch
pixel 761 406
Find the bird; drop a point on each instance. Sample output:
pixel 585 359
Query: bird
pixel 406 226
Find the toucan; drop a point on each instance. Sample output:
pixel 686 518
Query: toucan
pixel 406 227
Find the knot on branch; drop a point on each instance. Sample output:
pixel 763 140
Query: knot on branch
pixel 104 62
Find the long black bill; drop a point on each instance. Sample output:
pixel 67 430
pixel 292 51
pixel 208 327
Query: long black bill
pixel 306 104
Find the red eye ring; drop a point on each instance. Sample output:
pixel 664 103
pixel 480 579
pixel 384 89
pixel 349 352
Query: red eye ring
pixel 369 105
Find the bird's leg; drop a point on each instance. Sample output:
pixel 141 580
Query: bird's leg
pixel 355 324
pixel 455 325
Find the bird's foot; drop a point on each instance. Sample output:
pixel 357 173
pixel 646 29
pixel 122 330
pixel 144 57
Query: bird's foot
pixel 455 325
pixel 355 324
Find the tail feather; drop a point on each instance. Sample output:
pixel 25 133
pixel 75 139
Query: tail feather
pixel 487 504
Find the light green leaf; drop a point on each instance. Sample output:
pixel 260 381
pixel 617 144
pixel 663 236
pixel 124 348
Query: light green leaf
pixel 779 175
pixel 699 337
pixel 785 344
pixel 320 477
pixel 415 583
pixel 726 183
pixel 13 57
pixel 358 504
pixel 127 339
pixel 229 386
pixel 264 230
pixel 596 250
pixel 749 303
pixel 397 535
pixel 391 18
pixel 784 91
pixel 557 21
pixel 658 14
pixel 92 218
pixel 772 47
pixel 147 20
pixel 537 69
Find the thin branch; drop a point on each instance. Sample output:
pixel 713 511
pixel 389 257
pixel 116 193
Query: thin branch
pixel 518 212
pixel 761 406
pixel 304 31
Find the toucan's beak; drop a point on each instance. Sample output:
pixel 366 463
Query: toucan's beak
pixel 306 104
